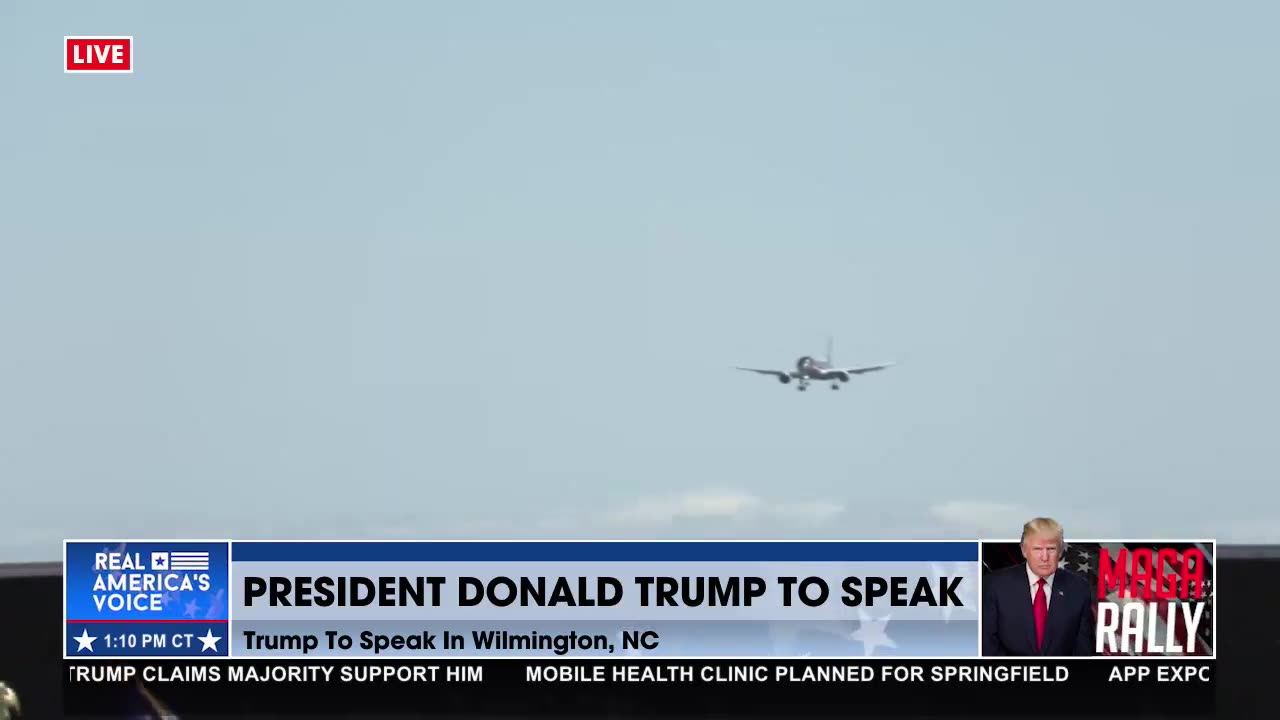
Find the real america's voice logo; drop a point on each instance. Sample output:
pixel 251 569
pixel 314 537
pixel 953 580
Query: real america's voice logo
pixel 122 581
pixel 146 598
pixel 97 54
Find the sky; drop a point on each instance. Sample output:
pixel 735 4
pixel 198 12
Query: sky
pixel 484 270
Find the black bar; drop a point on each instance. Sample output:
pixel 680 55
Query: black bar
pixel 1091 688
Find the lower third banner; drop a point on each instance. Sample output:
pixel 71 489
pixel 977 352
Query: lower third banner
pixel 472 600
pixel 644 688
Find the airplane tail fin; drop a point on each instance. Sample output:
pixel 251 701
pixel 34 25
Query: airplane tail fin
pixel 830 356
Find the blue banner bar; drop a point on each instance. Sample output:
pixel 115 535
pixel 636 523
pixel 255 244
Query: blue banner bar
pixel 581 551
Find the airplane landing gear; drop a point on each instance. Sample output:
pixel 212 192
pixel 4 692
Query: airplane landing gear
pixel 835 386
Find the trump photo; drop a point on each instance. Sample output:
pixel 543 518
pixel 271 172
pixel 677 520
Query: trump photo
pixel 1035 606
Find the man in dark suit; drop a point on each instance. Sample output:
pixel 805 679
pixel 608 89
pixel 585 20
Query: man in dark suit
pixel 1037 608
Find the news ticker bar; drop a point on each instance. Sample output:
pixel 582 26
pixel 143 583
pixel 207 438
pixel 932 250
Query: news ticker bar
pixel 466 599
pixel 793 688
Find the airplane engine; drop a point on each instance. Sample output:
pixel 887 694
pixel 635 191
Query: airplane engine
pixel 842 377
pixel 784 379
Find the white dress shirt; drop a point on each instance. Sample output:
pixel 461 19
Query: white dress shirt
pixel 1032 578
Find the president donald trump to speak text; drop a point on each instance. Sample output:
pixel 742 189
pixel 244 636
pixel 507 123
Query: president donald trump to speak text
pixel 1037 608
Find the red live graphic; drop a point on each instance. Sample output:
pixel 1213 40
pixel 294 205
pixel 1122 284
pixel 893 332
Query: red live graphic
pixel 1150 600
pixel 85 54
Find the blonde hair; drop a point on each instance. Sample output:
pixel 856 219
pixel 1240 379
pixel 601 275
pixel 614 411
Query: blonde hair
pixel 1042 526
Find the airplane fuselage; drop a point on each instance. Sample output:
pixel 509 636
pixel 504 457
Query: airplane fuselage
pixel 809 368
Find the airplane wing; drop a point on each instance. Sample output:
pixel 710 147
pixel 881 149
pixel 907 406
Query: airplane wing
pixel 865 369
pixel 775 373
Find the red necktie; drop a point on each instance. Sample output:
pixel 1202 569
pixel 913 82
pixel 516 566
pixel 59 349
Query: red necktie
pixel 1041 609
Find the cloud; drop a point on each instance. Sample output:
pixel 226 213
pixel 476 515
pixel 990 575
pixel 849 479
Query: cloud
pixel 820 511
pixel 693 506
pixel 996 520
pixel 982 518
pixel 707 513
pixel 728 506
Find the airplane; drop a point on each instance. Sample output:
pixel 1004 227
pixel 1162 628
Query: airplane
pixel 810 369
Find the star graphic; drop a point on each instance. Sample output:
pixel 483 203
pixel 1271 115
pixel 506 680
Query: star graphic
pixel 209 641
pixel 192 607
pixel 215 603
pixel 1083 567
pixel 85 641
pixel 871 633
pixel 1062 563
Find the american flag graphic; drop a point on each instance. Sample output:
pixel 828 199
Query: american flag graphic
pixel 1082 559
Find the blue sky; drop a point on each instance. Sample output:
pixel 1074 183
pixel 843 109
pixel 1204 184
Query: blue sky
pixel 483 269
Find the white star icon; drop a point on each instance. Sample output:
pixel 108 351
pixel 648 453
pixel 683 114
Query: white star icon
pixel 871 633
pixel 209 642
pixel 85 641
